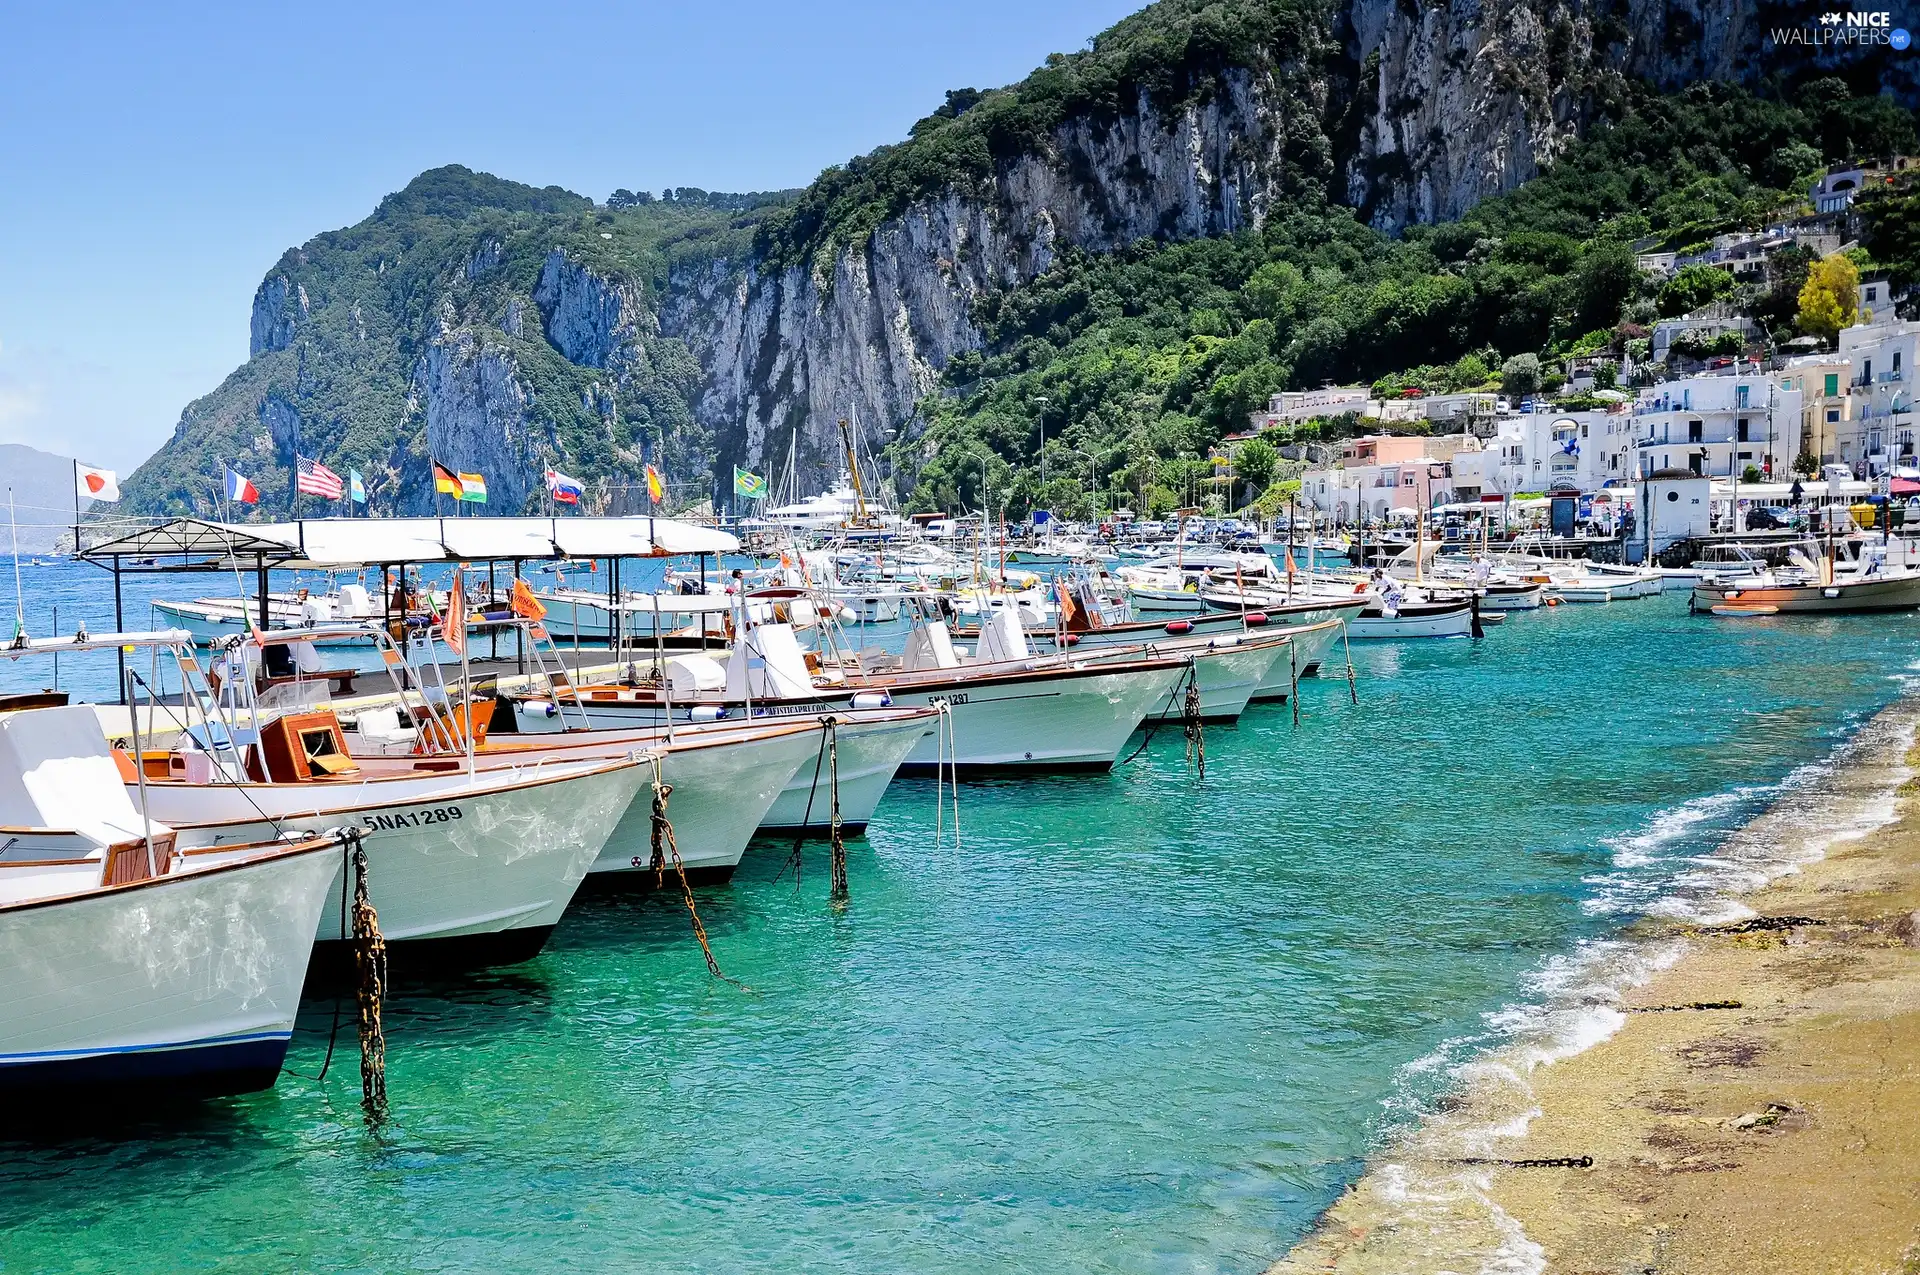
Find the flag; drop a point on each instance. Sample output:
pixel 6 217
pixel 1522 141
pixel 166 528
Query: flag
pixel 564 490
pixel 656 490
pixel 445 481
pixel 356 487
pixel 240 490
pixel 752 486
pixel 525 605
pixel 94 484
pixel 473 487
pixel 315 479
pixel 454 627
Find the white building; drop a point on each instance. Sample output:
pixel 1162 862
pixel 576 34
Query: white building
pixel 1292 406
pixel 1716 425
pixel 1882 356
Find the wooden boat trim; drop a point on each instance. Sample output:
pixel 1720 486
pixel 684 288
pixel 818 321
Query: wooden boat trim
pixel 309 845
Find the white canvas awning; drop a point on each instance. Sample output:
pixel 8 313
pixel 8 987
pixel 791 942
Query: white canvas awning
pixel 484 539
pixel 367 542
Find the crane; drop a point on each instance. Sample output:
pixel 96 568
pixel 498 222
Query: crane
pixel 853 468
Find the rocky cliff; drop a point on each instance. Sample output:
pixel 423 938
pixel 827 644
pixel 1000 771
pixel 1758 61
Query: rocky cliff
pixel 506 329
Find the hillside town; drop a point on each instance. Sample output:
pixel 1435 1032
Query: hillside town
pixel 1769 419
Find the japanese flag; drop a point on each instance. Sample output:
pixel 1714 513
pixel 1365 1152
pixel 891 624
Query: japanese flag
pixel 95 484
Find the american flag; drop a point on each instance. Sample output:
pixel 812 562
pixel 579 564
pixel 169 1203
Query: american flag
pixel 316 479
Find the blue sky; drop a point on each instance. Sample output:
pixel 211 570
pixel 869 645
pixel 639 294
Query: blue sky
pixel 154 164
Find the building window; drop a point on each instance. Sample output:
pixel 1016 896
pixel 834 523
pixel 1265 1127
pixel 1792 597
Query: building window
pixel 1871 293
pixel 1833 416
pixel 1742 427
pixel 1740 396
pixel 1694 431
pixel 1833 384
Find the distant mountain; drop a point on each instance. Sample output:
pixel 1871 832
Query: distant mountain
pixel 1286 146
pixel 42 486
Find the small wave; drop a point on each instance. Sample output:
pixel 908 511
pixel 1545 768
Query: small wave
pixel 1689 863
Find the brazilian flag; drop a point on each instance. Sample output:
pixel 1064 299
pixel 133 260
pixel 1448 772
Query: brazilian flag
pixel 752 486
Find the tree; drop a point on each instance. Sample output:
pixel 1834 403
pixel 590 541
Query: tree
pixel 1520 375
pixel 1806 465
pixel 1831 298
pixel 1254 463
pixel 1693 287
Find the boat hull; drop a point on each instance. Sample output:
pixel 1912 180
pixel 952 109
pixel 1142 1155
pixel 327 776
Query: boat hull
pixel 870 755
pixel 720 796
pixel 465 870
pixel 1895 593
pixel 1450 620
pixel 1069 716
pixel 187 982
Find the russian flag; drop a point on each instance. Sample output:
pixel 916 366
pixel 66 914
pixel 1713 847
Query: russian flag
pixel 240 491
pixel 564 490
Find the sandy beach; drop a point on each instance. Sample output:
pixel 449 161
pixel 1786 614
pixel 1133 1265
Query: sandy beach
pixel 1755 1107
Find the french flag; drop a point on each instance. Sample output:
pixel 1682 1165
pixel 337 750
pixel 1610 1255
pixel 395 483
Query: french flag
pixel 241 491
pixel 564 490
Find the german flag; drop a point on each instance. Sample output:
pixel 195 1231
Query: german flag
pixel 446 482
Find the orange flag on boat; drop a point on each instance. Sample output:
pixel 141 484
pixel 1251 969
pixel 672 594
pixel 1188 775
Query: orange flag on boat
pixel 453 629
pixel 1289 559
pixel 525 605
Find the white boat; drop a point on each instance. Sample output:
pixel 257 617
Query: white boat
pixel 126 966
pixel 1022 712
pixel 1229 670
pixel 465 868
pixel 1792 593
pixel 870 743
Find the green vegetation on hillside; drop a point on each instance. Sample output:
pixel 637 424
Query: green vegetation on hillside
pixel 454 250
pixel 1134 364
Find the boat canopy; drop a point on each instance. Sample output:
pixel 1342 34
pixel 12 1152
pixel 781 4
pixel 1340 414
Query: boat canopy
pixel 367 542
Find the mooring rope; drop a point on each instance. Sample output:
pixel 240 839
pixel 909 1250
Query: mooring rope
pixel 946 749
pixel 837 891
pixel 1154 719
pixel 370 963
pixel 800 835
pixel 663 835
pixel 1347 641
pixel 1196 733
pixel 1293 669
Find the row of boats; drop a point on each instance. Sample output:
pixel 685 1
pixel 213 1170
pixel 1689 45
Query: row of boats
pixel 165 896
pixel 171 880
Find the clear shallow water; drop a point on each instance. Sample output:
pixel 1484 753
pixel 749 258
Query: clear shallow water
pixel 1132 1023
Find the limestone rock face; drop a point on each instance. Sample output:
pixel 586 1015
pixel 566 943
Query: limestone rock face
pixel 1452 102
pixel 593 321
pixel 271 326
pixel 788 352
pixel 475 406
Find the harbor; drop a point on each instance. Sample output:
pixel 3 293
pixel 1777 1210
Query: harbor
pixel 1193 637
pixel 1128 1019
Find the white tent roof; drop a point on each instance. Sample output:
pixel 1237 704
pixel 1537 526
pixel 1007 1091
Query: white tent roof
pixel 359 542
pixel 365 542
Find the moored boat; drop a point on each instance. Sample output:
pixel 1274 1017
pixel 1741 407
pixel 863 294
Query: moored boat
pixel 127 968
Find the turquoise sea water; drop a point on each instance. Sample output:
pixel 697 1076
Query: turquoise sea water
pixel 1136 1022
